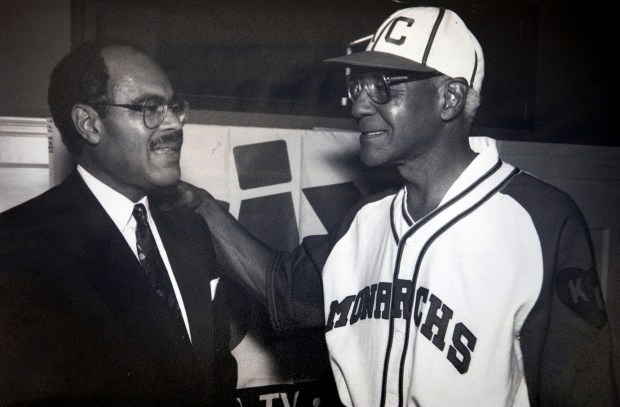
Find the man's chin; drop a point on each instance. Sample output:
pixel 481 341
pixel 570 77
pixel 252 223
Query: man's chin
pixel 369 160
pixel 166 179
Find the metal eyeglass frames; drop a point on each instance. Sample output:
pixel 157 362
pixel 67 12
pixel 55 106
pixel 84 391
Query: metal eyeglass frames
pixel 155 108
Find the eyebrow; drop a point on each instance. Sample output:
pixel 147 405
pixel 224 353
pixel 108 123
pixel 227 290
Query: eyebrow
pixel 143 98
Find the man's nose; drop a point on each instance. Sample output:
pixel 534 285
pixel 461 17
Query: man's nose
pixel 363 105
pixel 171 121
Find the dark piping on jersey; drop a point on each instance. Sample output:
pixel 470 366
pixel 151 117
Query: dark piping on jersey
pixel 414 228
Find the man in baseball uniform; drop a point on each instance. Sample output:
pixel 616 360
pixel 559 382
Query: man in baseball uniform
pixel 472 285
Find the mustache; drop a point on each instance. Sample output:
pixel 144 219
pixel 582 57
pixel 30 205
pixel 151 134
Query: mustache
pixel 167 139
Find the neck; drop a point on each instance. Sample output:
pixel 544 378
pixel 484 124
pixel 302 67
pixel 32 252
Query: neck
pixel 131 193
pixel 428 178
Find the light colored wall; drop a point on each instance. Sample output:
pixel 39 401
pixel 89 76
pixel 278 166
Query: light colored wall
pixel 24 160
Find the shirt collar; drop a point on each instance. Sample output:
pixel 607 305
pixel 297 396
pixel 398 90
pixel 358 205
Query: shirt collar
pixel 118 207
pixel 487 157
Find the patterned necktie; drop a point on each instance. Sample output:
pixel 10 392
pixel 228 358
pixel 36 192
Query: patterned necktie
pixel 153 264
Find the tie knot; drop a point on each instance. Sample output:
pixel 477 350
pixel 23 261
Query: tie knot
pixel 139 212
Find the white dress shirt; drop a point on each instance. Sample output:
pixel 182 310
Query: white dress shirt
pixel 120 209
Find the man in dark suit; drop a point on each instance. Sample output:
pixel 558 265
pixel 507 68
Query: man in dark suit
pixel 103 299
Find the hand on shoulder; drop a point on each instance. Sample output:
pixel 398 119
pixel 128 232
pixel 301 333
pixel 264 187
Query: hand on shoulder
pixel 181 195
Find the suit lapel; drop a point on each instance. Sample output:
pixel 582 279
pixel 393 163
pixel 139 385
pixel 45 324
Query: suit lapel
pixel 116 267
pixel 192 267
pixel 111 288
pixel 115 274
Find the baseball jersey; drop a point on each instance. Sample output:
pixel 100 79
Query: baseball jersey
pixel 492 299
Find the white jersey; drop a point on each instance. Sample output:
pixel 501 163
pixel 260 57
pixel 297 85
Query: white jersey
pixel 472 305
pixel 450 291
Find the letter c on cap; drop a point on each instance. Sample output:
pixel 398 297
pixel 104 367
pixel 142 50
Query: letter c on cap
pixel 398 41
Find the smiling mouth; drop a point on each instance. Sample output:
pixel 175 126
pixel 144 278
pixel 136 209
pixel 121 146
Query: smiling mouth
pixel 374 133
pixel 167 148
pixel 167 143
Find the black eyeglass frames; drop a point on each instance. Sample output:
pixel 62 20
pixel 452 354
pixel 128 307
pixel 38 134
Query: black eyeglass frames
pixel 377 85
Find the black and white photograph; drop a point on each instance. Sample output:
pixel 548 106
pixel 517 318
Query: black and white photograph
pixel 267 203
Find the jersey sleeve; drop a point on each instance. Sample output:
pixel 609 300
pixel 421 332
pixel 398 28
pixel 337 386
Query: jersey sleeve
pixel 295 288
pixel 574 365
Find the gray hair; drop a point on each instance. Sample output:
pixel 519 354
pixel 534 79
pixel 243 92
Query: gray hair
pixel 472 102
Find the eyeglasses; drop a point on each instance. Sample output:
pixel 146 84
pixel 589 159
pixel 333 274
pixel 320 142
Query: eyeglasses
pixel 378 85
pixel 155 108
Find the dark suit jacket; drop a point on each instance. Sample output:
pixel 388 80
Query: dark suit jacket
pixel 79 322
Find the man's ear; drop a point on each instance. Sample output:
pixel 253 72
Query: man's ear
pixel 455 92
pixel 87 123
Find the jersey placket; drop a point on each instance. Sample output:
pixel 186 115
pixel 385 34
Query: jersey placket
pixel 412 247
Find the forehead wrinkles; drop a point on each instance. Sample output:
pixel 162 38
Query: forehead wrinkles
pixel 134 75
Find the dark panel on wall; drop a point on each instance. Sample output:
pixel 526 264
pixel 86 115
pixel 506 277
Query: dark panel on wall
pixel 262 164
pixel 34 35
pixel 278 229
pixel 507 32
pixel 331 203
pixel 266 55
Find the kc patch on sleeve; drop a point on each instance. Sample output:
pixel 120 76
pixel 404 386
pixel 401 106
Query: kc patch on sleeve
pixel 580 291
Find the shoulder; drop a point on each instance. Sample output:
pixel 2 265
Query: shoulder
pixel 318 247
pixel 540 198
pixel 181 218
pixel 53 209
pixel 184 225
pixel 365 204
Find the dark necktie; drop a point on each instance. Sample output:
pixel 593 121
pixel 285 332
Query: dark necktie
pixel 153 264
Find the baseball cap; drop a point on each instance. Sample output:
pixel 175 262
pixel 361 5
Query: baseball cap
pixel 423 39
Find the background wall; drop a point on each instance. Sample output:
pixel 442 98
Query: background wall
pixel 34 35
pixel 573 99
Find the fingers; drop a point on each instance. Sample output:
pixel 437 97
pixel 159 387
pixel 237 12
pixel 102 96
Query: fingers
pixel 181 195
